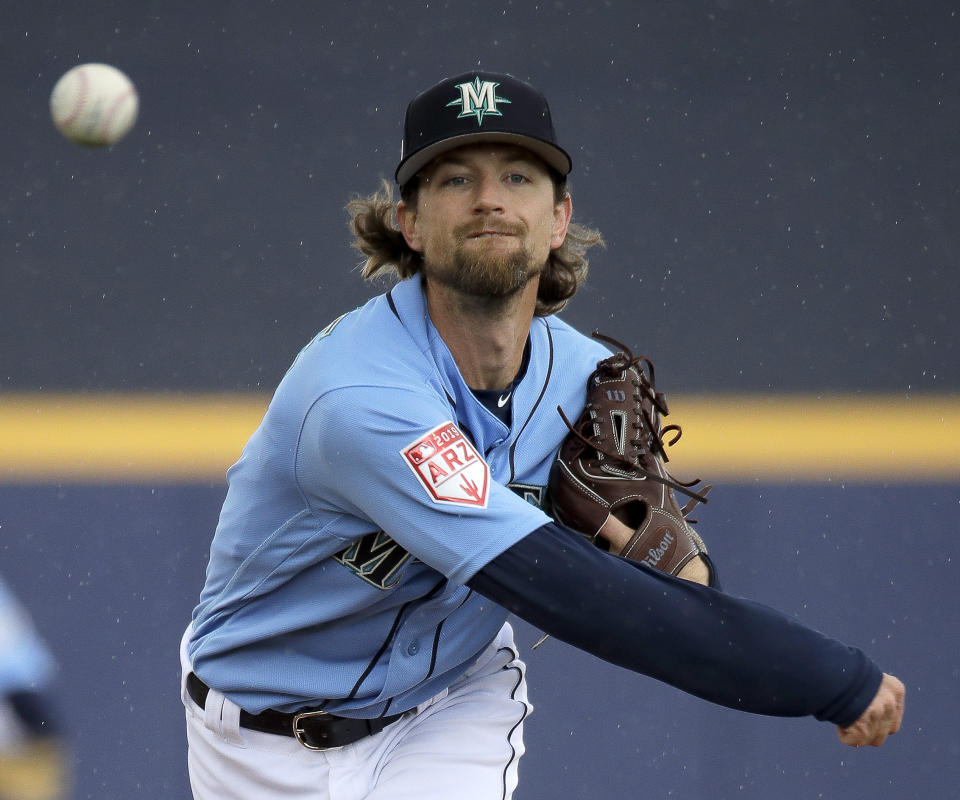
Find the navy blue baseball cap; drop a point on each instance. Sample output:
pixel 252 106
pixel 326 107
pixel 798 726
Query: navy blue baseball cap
pixel 477 106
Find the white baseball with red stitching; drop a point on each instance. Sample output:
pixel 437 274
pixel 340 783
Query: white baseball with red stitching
pixel 94 104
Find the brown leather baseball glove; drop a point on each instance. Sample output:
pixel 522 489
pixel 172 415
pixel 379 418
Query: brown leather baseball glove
pixel 612 462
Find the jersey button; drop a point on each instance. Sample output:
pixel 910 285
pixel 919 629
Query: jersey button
pixel 413 648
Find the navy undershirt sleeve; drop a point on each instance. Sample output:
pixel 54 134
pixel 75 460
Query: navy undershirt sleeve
pixel 724 649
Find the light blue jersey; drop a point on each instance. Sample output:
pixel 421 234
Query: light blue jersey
pixel 26 663
pixel 375 486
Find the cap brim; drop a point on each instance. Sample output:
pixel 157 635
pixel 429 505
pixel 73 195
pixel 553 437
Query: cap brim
pixel 555 158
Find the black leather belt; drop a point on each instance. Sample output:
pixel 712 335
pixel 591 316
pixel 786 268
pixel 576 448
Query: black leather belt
pixel 313 728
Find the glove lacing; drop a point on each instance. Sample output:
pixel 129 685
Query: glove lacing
pixel 614 366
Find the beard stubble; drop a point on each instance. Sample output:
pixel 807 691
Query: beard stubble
pixel 483 274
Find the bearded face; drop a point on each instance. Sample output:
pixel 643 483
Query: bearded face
pixel 485 259
pixel 485 220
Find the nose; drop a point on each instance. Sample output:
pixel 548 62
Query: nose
pixel 488 197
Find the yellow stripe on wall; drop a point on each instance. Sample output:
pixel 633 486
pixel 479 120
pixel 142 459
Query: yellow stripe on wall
pixel 145 438
pixel 819 437
pixel 128 438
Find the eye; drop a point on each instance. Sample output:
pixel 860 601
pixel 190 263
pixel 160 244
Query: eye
pixel 517 178
pixel 455 180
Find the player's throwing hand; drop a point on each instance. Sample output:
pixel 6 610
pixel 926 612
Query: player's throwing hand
pixel 881 718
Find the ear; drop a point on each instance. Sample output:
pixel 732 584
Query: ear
pixel 407 221
pixel 561 221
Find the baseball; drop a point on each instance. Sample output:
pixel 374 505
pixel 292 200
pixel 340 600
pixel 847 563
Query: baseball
pixel 94 104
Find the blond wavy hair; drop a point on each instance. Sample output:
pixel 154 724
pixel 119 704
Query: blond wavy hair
pixel 373 221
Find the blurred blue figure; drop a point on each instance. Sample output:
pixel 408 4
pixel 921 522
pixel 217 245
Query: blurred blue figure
pixel 32 754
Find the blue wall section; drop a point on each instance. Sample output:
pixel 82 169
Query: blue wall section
pixel 111 574
pixel 783 174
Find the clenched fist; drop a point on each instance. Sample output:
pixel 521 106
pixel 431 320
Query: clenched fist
pixel 882 717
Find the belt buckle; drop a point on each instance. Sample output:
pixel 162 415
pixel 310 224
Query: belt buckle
pixel 299 733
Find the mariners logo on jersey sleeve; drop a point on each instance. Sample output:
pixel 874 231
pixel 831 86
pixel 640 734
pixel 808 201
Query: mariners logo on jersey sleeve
pixel 449 467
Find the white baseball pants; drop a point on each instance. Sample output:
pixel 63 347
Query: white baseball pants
pixel 464 743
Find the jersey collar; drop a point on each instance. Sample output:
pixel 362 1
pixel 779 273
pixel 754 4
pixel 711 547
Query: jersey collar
pixel 410 303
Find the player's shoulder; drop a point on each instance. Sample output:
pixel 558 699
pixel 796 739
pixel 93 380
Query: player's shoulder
pixel 368 344
pixel 361 359
pixel 572 345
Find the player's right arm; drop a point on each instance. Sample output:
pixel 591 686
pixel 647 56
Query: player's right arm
pixel 727 650
pixel 882 717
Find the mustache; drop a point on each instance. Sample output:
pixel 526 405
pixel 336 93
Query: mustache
pixel 464 232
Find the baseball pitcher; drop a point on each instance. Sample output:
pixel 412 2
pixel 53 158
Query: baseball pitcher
pixel 448 454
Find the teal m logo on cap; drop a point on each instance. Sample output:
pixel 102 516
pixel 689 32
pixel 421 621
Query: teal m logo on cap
pixel 478 98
